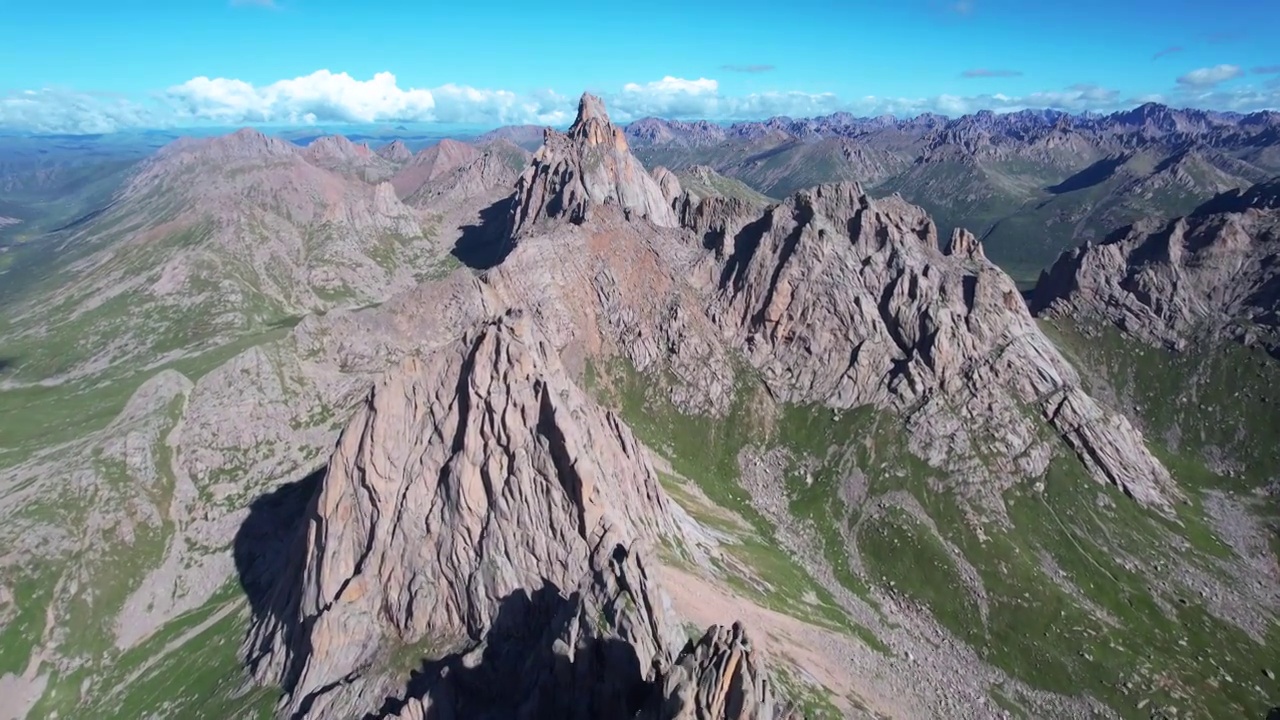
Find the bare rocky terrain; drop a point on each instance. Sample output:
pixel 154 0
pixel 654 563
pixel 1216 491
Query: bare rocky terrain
pixel 1029 184
pixel 662 448
pixel 1180 281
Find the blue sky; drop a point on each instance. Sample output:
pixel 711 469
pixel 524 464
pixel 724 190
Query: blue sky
pixel 88 65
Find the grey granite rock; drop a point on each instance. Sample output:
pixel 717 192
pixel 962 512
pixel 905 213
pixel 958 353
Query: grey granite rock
pixel 847 301
pixel 576 174
pixel 1210 275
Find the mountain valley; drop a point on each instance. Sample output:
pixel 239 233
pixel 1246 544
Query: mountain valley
pixel 670 420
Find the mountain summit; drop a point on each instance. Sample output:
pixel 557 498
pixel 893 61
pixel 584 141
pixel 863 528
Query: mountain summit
pixel 588 168
pixel 592 125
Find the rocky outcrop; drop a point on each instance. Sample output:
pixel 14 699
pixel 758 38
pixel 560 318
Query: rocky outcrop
pixel 718 677
pixel 668 183
pixel 964 245
pixel 338 154
pixel 432 163
pixel 840 299
pixel 575 174
pixel 482 517
pixel 1209 275
pixel 715 220
pixel 492 172
pixel 395 152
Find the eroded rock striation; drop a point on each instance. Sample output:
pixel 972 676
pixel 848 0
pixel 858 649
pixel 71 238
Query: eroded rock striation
pixel 847 301
pixel 1213 274
pixel 573 175
pixel 718 677
pixel 491 173
pixel 483 518
pixel 431 163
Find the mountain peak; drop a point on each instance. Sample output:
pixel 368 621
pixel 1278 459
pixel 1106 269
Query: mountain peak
pixel 243 144
pixel 590 107
pixel 589 167
pixel 396 151
pixel 337 147
pixel 593 126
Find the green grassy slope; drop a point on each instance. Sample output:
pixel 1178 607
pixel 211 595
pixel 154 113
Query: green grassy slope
pixel 1071 574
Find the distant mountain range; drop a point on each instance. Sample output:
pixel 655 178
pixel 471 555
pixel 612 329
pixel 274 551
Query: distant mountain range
pixel 1030 184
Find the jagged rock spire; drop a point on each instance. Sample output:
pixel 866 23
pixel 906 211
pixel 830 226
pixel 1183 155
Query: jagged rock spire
pixel 592 127
pixel 965 244
pixel 484 517
pixel 589 168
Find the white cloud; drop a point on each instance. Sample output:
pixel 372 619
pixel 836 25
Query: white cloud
pixel 685 99
pixel 326 97
pixel 62 111
pixel 321 96
pixel 673 86
pixel 1210 76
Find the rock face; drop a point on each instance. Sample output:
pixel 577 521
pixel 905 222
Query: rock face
pixel 493 170
pixel 430 164
pixel 1212 274
pixel 847 301
pixel 590 167
pixel 395 152
pixel 668 183
pixel 482 516
pixel 338 154
pixel 718 678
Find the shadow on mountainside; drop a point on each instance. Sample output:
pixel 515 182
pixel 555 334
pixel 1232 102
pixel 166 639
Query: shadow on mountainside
pixel 268 548
pixel 520 671
pixel 484 243
pixel 1095 174
pixel 538 659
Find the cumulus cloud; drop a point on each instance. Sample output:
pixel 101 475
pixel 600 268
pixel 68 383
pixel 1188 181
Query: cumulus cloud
pixel 321 96
pixel 326 97
pixel 75 113
pixel 1210 76
pixel 747 68
pixel 1242 99
pixel 701 99
pixel 1172 49
pixel 674 96
pixel 985 73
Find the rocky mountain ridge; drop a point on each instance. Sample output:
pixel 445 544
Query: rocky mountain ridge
pixel 212 238
pixel 395 152
pixel 1148 121
pixel 1172 283
pixel 545 403
pixel 943 325
pixel 1030 184
pixel 337 153
pixel 946 331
